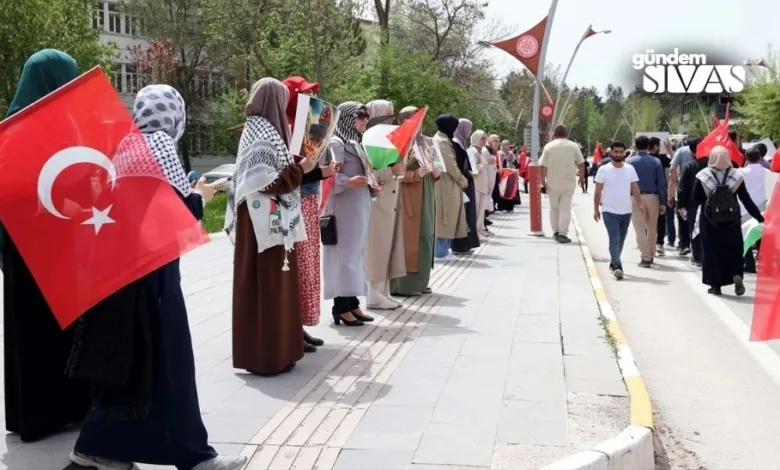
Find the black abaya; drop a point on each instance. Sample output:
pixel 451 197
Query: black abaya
pixel 39 398
pixel 470 241
pixel 722 257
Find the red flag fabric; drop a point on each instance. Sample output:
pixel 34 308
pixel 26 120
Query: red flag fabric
pixel 88 206
pixel 720 136
pixel 403 137
pixel 598 154
pixel 526 47
pixel 327 188
pixel 590 32
pixel 507 183
pixel 775 165
pixel 766 307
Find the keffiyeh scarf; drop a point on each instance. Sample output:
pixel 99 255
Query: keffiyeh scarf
pixel 345 128
pixel 262 157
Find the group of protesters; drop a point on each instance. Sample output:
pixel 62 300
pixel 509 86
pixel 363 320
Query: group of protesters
pixel 132 383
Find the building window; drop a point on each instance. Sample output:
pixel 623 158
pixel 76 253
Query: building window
pixel 114 19
pixel 135 80
pixel 132 26
pixel 99 17
pixel 117 78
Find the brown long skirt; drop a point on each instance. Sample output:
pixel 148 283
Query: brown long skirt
pixel 267 328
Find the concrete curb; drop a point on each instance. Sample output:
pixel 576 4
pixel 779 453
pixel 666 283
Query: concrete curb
pixel 633 448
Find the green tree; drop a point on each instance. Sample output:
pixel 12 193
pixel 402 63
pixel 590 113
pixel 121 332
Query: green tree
pixel 759 103
pixel 27 26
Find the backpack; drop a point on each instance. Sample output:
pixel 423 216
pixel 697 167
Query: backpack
pixel 722 207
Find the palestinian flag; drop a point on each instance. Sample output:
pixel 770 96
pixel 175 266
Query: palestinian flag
pixel 387 145
pixel 751 233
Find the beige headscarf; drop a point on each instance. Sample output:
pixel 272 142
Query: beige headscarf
pixel 497 139
pixel 405 113
pixel 268 99
pixel 476 136
pixel 713 175
pixel 379 108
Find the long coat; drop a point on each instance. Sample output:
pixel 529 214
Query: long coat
pixel 450 213
pixel 343 264
pixel 412 199
pixel 385 245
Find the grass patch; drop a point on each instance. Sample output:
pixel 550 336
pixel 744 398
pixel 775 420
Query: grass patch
pixel 608 338
pixel 214 213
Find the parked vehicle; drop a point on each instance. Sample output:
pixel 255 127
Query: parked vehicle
pixel 220 172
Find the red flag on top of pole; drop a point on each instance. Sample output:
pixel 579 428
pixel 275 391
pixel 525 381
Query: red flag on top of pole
pixel 715 121
pixel 526 47
pixel 720 136
pixel 598 154
pixel 88 207
pixel 590 32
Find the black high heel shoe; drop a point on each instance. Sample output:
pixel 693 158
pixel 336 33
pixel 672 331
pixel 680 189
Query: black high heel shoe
pixel 337 318
pixel 309 348
pixel 307 338
pixel 361 317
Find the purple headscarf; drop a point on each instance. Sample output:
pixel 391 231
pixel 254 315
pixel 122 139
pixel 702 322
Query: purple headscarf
pixel 462 132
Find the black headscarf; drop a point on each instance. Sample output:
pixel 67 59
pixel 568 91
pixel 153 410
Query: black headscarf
pixel 447 124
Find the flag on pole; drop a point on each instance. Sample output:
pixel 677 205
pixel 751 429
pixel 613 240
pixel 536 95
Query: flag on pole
pixel 387 144
pixel 720 136
pixel 526 47
pixel 403 137
pixel 88 207
pixel 766 307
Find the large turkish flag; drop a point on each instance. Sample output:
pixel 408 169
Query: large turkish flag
pixel 88 215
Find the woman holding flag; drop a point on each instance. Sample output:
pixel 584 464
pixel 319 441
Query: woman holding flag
pixel 418 224
pixel 385 244
pixel 155 418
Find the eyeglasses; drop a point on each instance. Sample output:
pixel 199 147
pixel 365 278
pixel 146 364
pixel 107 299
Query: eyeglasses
pixel 361 115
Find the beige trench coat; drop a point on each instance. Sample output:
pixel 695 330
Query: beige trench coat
pixel 450 213
pixel 385 243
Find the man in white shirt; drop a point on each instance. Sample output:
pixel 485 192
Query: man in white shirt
pixel 755 183
pixel 561 159
pixel 616 182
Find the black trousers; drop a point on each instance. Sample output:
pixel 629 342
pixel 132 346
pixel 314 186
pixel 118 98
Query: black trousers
pixel 695 244
pixel 683 232
pixel 665 227
pixel 345 304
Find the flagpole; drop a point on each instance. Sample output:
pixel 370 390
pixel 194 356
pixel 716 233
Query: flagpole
pixel 539 80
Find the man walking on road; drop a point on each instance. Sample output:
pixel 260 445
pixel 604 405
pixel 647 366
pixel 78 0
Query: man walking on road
pixel 652 186
pixel 560 161
pixel 665 226
pixel 616 183
pixel 682 157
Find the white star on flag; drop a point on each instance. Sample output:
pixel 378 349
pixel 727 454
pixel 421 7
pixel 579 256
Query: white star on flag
pixel 719 138
pixel 99 218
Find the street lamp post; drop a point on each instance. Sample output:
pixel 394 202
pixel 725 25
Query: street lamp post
pixel 568 67
pixel 538 85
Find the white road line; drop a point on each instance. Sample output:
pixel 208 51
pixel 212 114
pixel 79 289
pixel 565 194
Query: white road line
pixel 761 352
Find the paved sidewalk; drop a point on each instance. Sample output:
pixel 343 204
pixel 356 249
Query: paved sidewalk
pixel 504 366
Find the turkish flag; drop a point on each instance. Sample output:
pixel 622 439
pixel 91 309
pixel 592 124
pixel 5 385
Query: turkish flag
pixel 85 201
pixel 403 136
pixel 526 47
pixel 775 165
pixel 766 308
pixel 720 136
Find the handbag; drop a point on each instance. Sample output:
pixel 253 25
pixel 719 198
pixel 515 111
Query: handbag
pixel 328 233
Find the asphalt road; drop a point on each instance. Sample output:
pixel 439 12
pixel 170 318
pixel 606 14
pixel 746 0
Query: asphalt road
pixel 716 395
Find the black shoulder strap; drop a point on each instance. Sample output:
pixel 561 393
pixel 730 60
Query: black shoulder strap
pixel 725 176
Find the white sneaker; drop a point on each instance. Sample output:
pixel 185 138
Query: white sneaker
pixel 222 462
pixel 445 259
pixel 394 300
pixel 385 304
pixel 618 273
pixel 659 250
pixel 100 463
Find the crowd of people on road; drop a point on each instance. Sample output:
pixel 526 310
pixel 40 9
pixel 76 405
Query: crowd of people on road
pixel 709 198
pixel 126 368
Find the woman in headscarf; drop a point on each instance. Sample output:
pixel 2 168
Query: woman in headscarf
pixel 381 112
pixel 479 162
pixel 39 398
pixel 491 150
pixel 266 295
pixel 418 212
pixel 465 245
pixel 385 244
pixel 722 245
pixel 140 337
pixel 507 163
pixel 343 264
pixel 450 212
pixel 308 252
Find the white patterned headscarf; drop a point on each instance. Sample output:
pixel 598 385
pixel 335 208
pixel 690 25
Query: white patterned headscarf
pixel 345 127
pixel 159 113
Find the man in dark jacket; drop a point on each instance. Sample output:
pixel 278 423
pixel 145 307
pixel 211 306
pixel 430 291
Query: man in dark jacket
pixel 665 226
pixel 685 205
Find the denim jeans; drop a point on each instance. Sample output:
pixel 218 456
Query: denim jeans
pixel 442 247
pixel 617 229
pixel 666 227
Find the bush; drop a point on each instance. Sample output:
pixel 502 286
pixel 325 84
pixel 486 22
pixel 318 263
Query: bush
pixel 214 213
